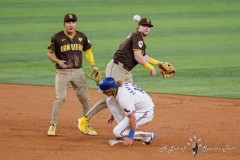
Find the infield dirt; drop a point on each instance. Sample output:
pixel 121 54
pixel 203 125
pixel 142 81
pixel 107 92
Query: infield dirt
pixel 25 113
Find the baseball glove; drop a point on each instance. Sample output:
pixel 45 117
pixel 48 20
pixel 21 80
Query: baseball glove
pixel 166 69
pixel 95 74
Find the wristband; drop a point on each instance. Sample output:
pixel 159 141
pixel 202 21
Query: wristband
pixel 131 134
pixel 153 61
pixel 149 66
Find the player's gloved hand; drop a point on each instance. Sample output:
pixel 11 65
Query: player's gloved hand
pixel 166 69
pixel 95 74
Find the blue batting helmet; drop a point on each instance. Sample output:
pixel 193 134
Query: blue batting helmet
pixel 107 83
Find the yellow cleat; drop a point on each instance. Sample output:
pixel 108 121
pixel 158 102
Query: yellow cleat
pixel 52 130
pixel 90 131
pixel 85 127
pixel 83 124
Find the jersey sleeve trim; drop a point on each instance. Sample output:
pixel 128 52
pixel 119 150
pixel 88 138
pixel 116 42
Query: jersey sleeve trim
pixel 136 49
pixel 51 51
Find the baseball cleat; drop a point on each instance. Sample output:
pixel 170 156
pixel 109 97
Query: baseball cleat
pixel 83 124
pixel 52 130
pixel 148 140
pixel 85 127
pixel 90 131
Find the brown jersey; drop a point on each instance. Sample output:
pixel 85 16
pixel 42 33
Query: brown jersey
pixel 69 50
pixel 125 53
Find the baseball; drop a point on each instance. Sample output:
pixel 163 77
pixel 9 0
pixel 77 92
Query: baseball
pixel 136 18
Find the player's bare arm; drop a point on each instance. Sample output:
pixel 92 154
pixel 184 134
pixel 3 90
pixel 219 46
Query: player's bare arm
pixel 110 119
pixel 139 57
pixel 53 58
pixel 143 60
pixel 132 125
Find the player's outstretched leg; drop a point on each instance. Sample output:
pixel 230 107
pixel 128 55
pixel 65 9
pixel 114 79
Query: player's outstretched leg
pixel 83 122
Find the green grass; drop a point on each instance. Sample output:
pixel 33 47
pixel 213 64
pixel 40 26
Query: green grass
pixel 201 38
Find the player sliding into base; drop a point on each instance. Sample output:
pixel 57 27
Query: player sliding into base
pixel 137 106
pixel 130 53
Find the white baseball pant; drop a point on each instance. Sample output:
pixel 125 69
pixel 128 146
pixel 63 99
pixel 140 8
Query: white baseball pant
pixel 122 129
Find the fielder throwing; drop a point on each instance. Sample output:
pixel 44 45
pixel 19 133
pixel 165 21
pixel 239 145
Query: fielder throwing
pixel 137 106
pixel 130 53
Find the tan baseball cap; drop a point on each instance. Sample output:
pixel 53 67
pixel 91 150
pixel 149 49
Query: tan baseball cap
pixel 145 22
pixel 70 17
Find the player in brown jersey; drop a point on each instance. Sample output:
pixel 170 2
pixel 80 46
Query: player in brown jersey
pixel 130 53
pixel 66 49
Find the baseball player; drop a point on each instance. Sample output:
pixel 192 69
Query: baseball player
pixel 136 104
pixel 130 53
pixel 66 50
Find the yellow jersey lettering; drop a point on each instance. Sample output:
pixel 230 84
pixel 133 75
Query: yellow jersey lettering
pixel 68 47
pixel 64 48
pixel 80 47
pixel 72 47
pixel 76 47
